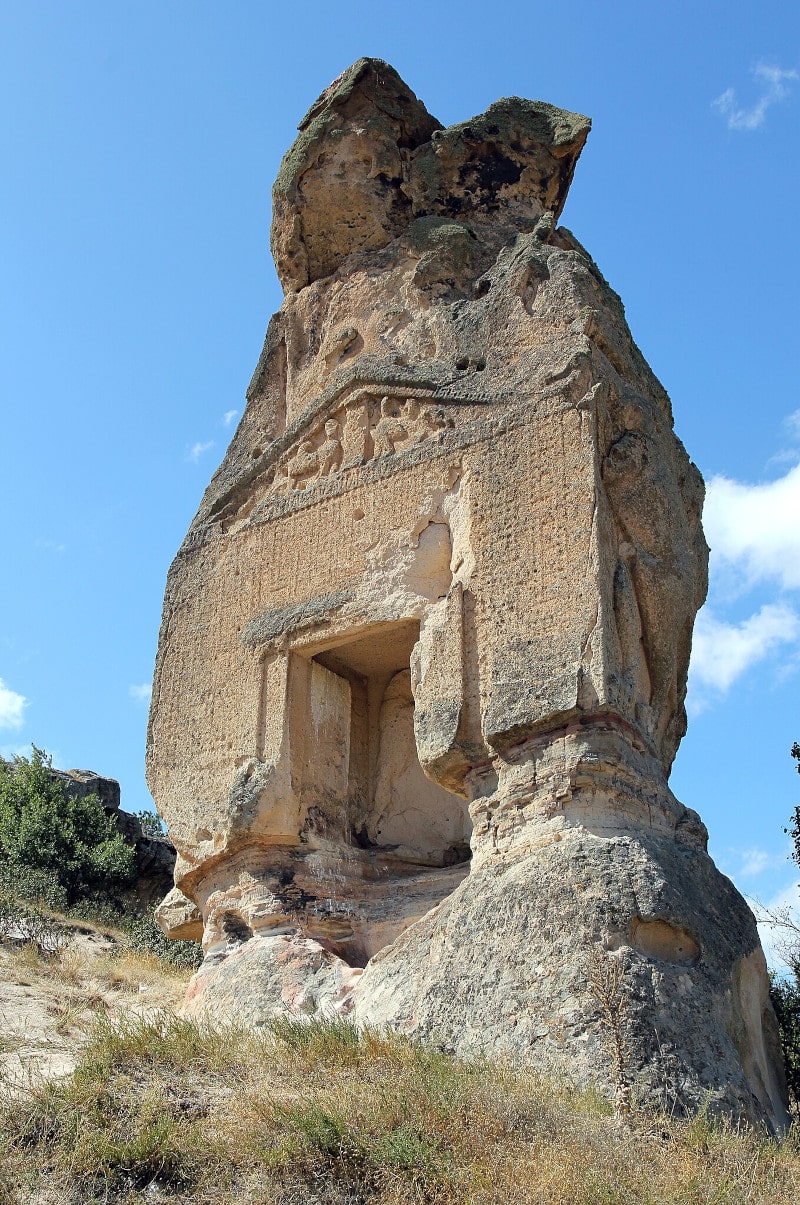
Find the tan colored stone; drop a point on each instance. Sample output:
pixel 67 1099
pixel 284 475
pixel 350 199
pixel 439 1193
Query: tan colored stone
pixel 179 917
pixel 440 594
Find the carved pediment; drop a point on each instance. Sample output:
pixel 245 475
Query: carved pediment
pixel 371 423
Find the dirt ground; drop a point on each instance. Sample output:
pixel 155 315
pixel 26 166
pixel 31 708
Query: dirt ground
pixel 48 1000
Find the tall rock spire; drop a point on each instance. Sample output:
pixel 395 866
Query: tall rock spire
pixel 422 666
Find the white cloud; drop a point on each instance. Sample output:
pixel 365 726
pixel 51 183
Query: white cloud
pixel 51 546
pixel 757 527
pixel 776 84
pixel 755 861
pixel 721 652
pixel 141 692
pixel 228 417
pixel 197 450
pixel 12 707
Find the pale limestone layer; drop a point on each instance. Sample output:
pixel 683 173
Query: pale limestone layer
pixel 438 600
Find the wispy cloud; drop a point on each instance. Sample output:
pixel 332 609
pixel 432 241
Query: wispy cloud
pixel 756 527
pixel 775 85
pixel 756 861
pixel 12 707
pixel 198 449
pixel 792 425
pixel 722 652
pixel 141 692
pixel 228 417
pixel 790 452
pixel 51 546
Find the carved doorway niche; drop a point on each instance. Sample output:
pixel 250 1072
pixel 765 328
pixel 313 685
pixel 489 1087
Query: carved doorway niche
pixel 361 700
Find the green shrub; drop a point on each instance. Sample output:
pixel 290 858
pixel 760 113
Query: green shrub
pixel 44 828
pixel 99 909
pixel 785 996
pixel 36 886
pixel 146 937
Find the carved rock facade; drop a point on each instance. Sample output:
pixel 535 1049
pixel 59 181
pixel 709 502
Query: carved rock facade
pixel 422 665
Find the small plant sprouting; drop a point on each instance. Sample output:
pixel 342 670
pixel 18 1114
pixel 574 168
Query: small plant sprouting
pixel 609 990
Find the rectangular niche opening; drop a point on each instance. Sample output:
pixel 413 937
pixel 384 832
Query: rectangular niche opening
pixel 392 807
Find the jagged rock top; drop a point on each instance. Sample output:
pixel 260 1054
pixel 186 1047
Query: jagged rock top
pixel 370 159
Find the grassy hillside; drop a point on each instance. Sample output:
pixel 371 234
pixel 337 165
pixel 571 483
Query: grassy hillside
pixel 57 975
pixel 106 1095
pixel 159 1110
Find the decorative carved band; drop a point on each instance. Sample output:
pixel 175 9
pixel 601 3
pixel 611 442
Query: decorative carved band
pixel 365 427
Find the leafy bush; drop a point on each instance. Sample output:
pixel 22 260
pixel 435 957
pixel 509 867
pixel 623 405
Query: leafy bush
pixel 785 996
pixel 146 937
pixel 44 828
pixel 36 886
pixel 99 909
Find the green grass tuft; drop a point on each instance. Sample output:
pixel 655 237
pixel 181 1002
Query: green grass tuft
pixel 161 1109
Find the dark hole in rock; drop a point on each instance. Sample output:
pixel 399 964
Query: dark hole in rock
pixel 235 928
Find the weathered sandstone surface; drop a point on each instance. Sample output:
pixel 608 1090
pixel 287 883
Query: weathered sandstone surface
pixel 423 658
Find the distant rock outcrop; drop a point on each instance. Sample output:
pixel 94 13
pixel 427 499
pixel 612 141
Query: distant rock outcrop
pixel 155 856
pixel 422 665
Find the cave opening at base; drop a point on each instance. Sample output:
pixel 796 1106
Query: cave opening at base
pixel 362 733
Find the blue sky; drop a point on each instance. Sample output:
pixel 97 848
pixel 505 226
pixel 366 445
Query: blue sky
pixel 139 143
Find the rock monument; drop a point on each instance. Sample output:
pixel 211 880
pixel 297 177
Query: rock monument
pixel 423 657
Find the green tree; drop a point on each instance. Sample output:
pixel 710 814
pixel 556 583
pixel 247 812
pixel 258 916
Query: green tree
pixel 785 993
pixel 45 828
pixel 794 824
pixel 151 822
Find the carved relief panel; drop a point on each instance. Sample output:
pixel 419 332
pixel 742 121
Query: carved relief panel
pixel 367 426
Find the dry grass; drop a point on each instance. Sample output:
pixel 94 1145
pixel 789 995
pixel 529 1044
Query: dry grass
pixel 94 974
pixel 50 997
pixel 97 970
pixel 160 1110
